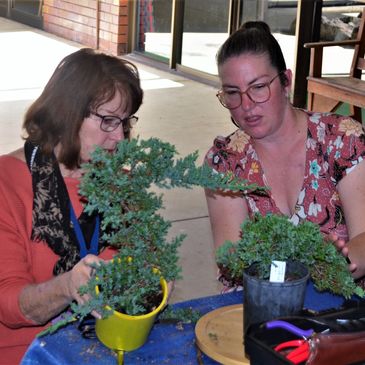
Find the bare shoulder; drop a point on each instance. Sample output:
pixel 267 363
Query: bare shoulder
pixel 19 154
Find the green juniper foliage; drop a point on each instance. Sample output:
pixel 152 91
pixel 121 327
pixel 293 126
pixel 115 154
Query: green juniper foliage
pixel 118 186
pixel 183 315
pixel 274 237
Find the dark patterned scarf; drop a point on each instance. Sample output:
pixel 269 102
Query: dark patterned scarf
pixel 51 210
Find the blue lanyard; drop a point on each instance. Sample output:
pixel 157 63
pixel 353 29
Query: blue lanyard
pixel 80 237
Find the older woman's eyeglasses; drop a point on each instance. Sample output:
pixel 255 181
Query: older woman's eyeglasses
pixel 258 93
pixel 110 123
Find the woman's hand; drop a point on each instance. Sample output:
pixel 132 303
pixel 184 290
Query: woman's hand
pixel 41 302
pixel 80 275
pixel 342 248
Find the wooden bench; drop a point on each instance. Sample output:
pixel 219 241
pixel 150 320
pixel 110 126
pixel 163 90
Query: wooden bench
pixel 326 94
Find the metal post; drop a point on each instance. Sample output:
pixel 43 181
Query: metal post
pixel 177 24
pixel 308 25
pixel 132 25
pixel 234 15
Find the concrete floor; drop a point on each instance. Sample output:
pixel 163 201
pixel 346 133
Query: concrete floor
pixel 176 109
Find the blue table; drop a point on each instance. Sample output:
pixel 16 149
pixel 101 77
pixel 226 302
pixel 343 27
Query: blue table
pixel 167 343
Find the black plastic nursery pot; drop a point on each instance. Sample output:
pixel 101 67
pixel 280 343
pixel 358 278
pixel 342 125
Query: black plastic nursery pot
pixel 265 300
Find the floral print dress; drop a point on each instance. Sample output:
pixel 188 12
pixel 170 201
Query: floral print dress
pixel 335 145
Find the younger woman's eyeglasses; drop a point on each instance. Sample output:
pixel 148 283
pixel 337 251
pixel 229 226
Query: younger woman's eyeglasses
pixel 258 93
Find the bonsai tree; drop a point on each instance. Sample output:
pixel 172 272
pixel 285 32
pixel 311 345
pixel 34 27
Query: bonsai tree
pixel 274 237
pixel 118 186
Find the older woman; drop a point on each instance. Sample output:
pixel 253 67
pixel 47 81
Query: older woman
pixel 312 162
pixel 47 243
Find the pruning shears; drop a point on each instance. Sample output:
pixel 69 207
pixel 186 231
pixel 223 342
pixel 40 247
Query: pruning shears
pixel 290 328
pixel 87 327
pixel 296 351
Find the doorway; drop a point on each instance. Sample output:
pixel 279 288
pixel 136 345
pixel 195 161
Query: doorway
pixel 23 11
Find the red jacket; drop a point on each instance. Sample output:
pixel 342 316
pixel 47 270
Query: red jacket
pixel 22 261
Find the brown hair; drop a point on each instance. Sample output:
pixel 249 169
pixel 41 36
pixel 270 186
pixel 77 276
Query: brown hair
pixel 81 82
pixel 254 37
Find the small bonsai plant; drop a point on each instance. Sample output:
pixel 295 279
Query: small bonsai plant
pixel 118 187
pixel 274 237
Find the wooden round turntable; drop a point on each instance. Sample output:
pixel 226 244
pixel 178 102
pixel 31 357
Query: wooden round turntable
pixel 219 334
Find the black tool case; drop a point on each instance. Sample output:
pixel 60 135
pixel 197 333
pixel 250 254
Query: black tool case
pixel 260 341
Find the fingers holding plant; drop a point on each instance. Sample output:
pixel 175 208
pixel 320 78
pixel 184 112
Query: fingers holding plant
pixel 342 248
pixel 80 275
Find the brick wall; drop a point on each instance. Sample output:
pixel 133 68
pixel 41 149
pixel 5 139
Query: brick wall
pixel 99 24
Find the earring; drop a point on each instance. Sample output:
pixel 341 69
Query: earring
pixel 235 123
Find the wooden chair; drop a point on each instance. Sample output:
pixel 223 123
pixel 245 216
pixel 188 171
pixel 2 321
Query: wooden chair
pixel 326 94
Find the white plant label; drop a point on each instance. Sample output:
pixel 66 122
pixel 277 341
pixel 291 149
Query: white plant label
pixel 277 271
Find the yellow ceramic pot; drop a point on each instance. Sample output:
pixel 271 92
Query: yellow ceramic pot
pixel 122 332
